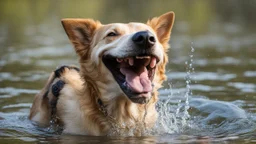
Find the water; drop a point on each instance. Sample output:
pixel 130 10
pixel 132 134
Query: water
pixel 211 89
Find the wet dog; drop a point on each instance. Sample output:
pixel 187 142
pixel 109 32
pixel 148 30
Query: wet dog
pixel 115 90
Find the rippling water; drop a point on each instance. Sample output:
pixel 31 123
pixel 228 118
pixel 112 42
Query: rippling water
pixel 211 89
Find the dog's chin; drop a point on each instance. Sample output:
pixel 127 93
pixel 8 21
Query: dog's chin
pixel 134 75
pixel 140 98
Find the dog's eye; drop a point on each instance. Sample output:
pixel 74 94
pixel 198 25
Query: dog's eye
pixel 111 34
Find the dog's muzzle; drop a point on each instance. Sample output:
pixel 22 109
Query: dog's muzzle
pixel 135 72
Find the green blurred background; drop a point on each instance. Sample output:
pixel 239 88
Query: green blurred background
pixel 17 16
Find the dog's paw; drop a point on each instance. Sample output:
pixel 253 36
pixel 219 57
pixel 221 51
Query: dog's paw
pixel 69 75
pixel 57 87
pixel 59 71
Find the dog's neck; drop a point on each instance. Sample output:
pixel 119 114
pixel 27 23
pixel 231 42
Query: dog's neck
pixel 125 117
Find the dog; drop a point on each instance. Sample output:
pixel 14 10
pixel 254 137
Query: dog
pixel 114 92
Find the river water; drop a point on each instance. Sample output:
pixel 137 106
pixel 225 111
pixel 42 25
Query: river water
pixel 210 93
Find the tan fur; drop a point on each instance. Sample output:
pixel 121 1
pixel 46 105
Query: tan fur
pixel 77 105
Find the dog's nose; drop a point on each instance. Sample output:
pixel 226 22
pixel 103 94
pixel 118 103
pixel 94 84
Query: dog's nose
pixel 144 39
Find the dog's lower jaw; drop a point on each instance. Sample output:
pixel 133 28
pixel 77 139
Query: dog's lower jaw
pixel 143 98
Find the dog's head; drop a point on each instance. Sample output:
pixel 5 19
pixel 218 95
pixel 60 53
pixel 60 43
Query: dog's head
pixel 132 55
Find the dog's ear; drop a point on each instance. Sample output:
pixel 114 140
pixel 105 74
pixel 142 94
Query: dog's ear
pixel 80 33
pixel 163 26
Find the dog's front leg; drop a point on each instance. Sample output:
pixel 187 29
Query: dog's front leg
pixel 64 82
pixel 40 111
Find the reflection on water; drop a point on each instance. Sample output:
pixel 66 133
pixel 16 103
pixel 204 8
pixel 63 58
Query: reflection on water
pixel 221 108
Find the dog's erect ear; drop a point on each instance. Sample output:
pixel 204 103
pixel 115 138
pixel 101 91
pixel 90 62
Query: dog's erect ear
pixel 80 33
pixel 163 26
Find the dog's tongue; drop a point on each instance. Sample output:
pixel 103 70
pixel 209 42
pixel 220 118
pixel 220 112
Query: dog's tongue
pixel 138 82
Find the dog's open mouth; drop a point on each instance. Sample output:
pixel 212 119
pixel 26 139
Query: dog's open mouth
pixel 134 75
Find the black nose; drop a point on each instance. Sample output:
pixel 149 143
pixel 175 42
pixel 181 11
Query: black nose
pixel 144 39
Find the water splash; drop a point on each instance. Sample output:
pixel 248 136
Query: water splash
pixel 173 117
pixel 167 122
pixel 190 70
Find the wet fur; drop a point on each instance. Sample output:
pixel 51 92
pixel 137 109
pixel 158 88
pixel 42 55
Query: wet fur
pixel 76 104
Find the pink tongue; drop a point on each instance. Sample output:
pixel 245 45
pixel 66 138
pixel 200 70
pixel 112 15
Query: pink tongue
pixel 137 82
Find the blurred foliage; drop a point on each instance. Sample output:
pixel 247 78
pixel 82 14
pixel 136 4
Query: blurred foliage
pixel 18 16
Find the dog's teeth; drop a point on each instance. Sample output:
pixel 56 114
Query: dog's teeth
pixel 147 62
pixel 142 57
pixel 131 61
pixel 153 62
pixel 119 60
